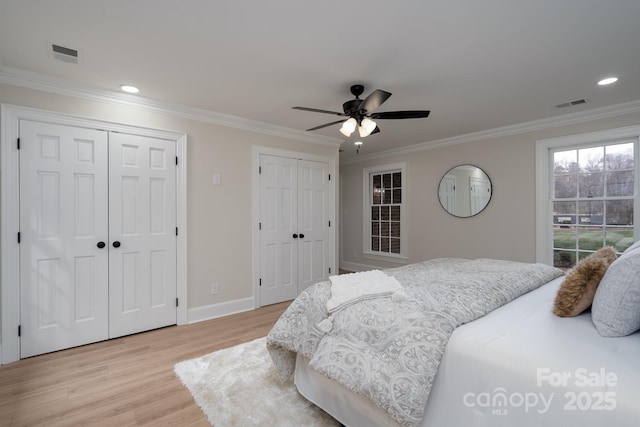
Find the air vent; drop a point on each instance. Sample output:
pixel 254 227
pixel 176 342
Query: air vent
pixel 65 54
pixel 572 103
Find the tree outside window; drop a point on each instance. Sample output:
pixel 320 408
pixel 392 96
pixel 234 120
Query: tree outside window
pixel 592 201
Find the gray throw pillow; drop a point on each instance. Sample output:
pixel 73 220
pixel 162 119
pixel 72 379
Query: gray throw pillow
pixel 632 248
pixel 616 305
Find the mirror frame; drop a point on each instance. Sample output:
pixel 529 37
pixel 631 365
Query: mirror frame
pixel 449 172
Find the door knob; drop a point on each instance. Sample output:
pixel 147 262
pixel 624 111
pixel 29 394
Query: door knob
pixel 116 244
pixel 302 236
pixel 295 236
pixel 101 245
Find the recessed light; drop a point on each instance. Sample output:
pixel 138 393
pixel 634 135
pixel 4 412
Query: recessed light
pixel 129 89
pixel 607 81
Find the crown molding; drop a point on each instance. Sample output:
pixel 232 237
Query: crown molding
pixel 30 80
pixel 564 120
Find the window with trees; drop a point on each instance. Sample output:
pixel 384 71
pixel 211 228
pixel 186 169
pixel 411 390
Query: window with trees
pixel 385 193
pixel 593 200
pixel 587 194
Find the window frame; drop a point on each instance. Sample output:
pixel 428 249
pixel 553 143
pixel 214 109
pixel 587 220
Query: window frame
pixel 402 257
pixel 544 180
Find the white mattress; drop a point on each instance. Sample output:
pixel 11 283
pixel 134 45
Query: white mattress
pixel 519 365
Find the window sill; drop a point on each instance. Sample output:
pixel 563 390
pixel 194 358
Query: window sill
pixel 398 259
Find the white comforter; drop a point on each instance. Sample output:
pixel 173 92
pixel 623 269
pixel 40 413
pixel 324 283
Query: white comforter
pixel 390 351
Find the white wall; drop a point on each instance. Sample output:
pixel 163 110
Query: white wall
pixel 219 217
pixel 505 229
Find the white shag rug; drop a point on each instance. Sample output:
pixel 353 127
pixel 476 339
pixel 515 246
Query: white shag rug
pixel 238 386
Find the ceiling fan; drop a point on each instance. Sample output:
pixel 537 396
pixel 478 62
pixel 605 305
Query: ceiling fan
pixel 360 113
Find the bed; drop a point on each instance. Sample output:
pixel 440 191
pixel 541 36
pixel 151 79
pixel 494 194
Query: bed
pixel 517 364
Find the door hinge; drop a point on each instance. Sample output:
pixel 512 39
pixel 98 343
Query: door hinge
pixel 329 177
pixel 177 301
pixel 18 143
pixel 18 237
pixel 19 330
pixel 259 170
pixel 259 226
pixel 260 282
pixel 176 231
pixel 176 160
pixel 329 270
pixel 329 223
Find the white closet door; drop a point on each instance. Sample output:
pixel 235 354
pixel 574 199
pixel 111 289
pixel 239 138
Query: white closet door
pixel 447 193
pixel 295 232
pixel 278 247
pixel 142 234
pixel 63 217
pixel 480 194
pixel 313 223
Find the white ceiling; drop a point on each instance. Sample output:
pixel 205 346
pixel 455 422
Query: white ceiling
pixel 477 65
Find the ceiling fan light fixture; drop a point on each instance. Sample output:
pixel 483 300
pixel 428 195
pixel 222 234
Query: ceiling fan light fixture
pixel 366 127
pixel 360 112
pixel 348 127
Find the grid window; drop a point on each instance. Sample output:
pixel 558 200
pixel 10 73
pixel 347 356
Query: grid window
pixel 592 200
pixel 384 211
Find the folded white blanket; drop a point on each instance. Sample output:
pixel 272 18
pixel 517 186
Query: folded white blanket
pixel 354 287
pixel 348 289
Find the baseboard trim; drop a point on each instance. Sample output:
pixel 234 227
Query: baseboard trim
pixel 213 311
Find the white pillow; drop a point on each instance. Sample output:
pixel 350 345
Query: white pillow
pixel 616 306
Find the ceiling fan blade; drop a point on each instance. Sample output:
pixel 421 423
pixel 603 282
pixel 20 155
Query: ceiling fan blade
pixel 315 110
pixel 376 130
pixel 410 114
pixel 374 100
pixel 326 125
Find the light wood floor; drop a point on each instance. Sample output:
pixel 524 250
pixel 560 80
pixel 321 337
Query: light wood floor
pixel 127 381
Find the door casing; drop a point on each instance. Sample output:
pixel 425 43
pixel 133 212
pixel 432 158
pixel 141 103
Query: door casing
pixel 10 116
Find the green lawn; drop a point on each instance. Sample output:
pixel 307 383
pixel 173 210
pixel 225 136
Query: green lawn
pixel 592 240
pixel 588 239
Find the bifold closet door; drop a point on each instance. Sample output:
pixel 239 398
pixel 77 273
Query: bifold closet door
pixel 313 223
pixel 294 226
pixel 97 235
pixel 63 237
pixel 142 230
pixel 278 225
pixel 480 190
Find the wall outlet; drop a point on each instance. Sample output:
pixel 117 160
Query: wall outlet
pixel 215 288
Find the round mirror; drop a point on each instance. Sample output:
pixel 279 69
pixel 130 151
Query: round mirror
pixel 464 191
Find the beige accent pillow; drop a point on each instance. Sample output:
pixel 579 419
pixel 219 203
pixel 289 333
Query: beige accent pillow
pixel 577 290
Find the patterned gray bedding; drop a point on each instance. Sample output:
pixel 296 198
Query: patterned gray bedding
pixel 389 350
